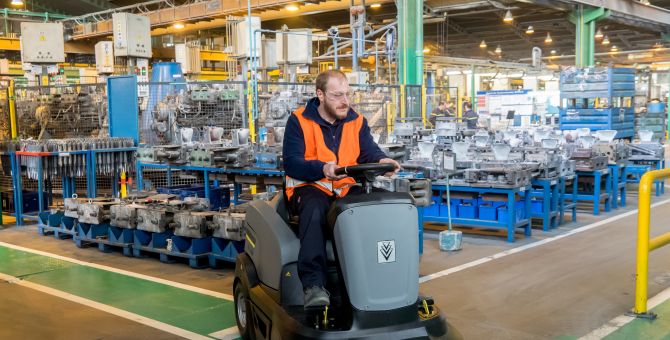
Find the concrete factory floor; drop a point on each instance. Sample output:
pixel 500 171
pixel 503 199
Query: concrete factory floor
pixel 562 284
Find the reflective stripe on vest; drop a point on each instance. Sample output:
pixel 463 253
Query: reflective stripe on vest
pixel 316 149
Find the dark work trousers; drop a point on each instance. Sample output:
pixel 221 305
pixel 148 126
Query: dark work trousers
pixel 311 205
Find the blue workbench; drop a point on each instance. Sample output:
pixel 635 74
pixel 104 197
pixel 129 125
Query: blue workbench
pixel 572 206
pixel 548 191
pixel 510 225
pixel 618 177
pixel 597 195
pixel 635 170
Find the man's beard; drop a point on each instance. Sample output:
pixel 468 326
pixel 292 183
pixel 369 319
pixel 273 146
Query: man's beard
pixel 332 111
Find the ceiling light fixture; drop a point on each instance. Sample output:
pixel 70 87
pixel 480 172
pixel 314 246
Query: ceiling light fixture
pixel 530 30
pixel 548 39
pixel 178 25
pixel 375 5
pixel 426 50
pixel 291 8
pixel 508 16
pixel 16 3
pixel 482 44
pixel 606 41
pixel 658 45
pixel 599 34
pixel 498 49
pixel 614 48
pixel 553 52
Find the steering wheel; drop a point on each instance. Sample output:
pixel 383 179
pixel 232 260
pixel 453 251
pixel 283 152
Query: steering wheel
pixel 366 173
pixel 359 170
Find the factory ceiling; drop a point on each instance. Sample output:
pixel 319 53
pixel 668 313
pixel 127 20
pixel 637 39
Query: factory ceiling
pixel 456 28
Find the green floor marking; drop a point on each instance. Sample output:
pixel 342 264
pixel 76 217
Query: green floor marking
pixel 646 329
pixel 195 312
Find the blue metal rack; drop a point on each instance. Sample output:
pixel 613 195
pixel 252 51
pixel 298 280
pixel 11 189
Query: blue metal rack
pixel 68 182
pixel 206 172
pixel 635 170
pixel 582 87
pixel 511 223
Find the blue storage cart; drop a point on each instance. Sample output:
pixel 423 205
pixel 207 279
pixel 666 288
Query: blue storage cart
pixel 598 99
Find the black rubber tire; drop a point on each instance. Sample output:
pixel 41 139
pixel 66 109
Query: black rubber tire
pixel 243 306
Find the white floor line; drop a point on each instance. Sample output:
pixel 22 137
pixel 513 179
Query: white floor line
pixel 123 272
pixel 623 319
pixel 105 308
pixel 226 334
pixel 531 245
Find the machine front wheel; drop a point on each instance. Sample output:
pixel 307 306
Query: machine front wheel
pixel 243 314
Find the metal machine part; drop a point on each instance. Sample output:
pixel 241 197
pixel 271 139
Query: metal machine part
pixel 191 223
pixel 417 187
pixel 646 151
pixel 169 154
pixel 396 151
pixel 228 225
pixel 94 212
pixel 495 175
pixel 124 215
pixel 222 156
pixel 71 206
pixel 154 218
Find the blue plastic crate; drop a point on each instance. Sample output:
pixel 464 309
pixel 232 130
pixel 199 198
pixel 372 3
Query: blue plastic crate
pixel 502 213
pixel 434 208
pixel 487 212
pixel 467 210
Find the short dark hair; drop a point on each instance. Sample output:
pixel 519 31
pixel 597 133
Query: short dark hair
pixel 467 105
pixel 443 103
pixel 323 78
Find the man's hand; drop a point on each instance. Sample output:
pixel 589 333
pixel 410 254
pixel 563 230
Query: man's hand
pixel 329 172
pixel 390 161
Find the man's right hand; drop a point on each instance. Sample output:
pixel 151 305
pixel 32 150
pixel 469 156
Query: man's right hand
pixel 329 172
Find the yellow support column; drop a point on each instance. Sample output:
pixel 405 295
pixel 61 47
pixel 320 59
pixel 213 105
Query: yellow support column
pixel 403 101
pixel 424 99
pixel 12 110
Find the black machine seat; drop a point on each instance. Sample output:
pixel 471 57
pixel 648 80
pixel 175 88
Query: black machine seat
pixel 373 198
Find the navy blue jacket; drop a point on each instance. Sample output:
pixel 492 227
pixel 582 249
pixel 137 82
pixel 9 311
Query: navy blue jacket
pixel 295 165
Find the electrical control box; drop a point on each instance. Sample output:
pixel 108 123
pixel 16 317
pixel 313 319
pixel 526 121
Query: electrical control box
pixel 243 45
pixel 269 54
pixel 104 57
pixel 142 72
pixel 189 58
pixel 294 47
pixel 132 35
pixel 42 43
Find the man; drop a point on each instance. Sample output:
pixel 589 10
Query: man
pixel 324 135
pixel 471 117
pixel 442 110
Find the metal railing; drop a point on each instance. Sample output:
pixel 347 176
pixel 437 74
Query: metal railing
pixel 645 244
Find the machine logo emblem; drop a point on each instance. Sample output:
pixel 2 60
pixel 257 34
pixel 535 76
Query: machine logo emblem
pixel 385 251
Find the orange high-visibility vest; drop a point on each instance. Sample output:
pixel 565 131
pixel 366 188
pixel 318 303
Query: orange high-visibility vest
pixel 316 149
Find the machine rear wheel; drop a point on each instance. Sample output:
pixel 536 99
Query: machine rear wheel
pixel 243 311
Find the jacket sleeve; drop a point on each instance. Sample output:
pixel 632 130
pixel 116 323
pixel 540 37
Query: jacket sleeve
pixel 295 165
pixel 370 151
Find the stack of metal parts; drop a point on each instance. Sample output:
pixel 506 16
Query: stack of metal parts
pixel 419 188
pixel 499 173
pixel 546 160
pixel 95 211
pixel 66 112
pixel 66 163
pixel 586 157
pixel 168 154
pixel 229 224
pixel 197 108
pixel 448 132
pixel 616 151
pixel 646 149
